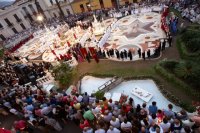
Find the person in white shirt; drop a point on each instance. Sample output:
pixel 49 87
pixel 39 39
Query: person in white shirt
pixel 155 129
pixel 108 116
pixel 165 125
pixel 113 130
pixel 79 98
pixel 126 126
pixel 115 122
pixel 100 130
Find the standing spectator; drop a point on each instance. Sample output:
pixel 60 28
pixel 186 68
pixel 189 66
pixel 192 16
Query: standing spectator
pixel 153 108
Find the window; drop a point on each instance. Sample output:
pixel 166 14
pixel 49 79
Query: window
pixel 68 12
pixel 17 18
pixel 2 37
pixel 114 3
pixel 101 3
pixel 8 22
pixel 32 9
pixel 23 27
pixel 82 8
pixel 88 6
pixel 25 10
pixel 54 15
pixel 1 26
pixel 14 30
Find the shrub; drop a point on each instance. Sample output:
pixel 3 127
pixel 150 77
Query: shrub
pixel 193 45
pixel 171 64
pixel 179 83
pixel 63 74
pixel 99 95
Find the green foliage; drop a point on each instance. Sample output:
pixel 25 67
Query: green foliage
pixel 187 106
pixel 190 37
pixel 63 74
pixel 193 45
pixel 184 70
pixel 99 95
pixel 184 52
pixel 170 65
pixel 177 82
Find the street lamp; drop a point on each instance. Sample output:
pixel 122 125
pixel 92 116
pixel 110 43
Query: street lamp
pixel 40 18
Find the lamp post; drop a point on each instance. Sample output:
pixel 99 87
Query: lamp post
pixel 40 18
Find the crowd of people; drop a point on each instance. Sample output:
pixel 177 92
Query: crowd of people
pixel 189 10
pixel 20 74
pixel 41 109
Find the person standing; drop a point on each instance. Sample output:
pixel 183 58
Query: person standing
pixel 130 55
pixel 104 54
pixel 148 53
pixel 139 52
pixel 170 40
pixel 117 54
pixel 88 57
pixel 163 44
pixel 122 55
pixel 143 55
pixel 108 53
pixel 125 53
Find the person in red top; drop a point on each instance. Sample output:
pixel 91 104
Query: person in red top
pixel 20 125
pixel 84 124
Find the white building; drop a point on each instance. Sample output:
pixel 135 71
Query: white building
pixel 19 16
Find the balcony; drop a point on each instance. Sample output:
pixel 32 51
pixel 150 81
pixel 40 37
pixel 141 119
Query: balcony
pixel 10 25
pixel 19 20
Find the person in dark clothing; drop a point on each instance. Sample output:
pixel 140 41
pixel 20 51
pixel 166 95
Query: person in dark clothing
pixel 148 53
pixel 75 56
pixel 163 45
pixel 108 53
pixel 104 54
pixel 170 40
pixel 125 53
pixel 88 57
pixel 117 54
pixel 112 52
pixel 143 55
pixel 122 55
pixel 139 52
pixel 130 55
pixel 100 53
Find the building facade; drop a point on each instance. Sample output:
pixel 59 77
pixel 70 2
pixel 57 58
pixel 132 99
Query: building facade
pixel 21 14
pixel 80 6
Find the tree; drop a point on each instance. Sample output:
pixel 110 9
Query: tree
pixel 63 74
